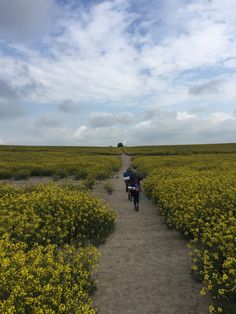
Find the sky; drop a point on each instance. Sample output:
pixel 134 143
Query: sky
pixel 94 72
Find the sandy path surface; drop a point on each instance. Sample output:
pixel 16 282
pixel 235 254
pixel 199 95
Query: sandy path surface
pixel 144 266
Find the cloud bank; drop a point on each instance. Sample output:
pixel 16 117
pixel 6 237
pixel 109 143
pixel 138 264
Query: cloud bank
pixel 98 72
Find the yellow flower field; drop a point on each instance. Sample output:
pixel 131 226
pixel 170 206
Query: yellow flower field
pixel 46 248
pixel 197 196
pixel 169 150
pixel 21 162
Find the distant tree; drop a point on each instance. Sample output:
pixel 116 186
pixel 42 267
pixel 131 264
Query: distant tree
pixel 120 145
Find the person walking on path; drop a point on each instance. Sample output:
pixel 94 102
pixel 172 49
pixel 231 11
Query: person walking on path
pixel 135 188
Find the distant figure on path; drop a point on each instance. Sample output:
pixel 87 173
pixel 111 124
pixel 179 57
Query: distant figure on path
pixel 135 188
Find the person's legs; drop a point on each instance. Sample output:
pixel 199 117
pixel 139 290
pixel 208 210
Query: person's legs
pixel 136 200
pixel 133 196
pixel 129 196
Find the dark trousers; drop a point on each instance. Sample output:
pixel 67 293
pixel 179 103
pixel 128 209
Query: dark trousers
pixel 135 195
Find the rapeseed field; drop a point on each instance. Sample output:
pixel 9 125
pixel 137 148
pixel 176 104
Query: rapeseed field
pixel 197 197
pixel 47 251
pixel 21 162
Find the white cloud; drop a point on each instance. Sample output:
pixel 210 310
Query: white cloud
pixel 80 133
pixel 231 63
pixel 144 125
pixel 160 127
pixel 182 116
pixel 203 44
pixel 108 54
pixel 99 136
pixel 176 128
pixel 219 117
pixel 164 127
pixel 95 59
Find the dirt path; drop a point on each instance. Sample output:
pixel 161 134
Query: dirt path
pixel 144 265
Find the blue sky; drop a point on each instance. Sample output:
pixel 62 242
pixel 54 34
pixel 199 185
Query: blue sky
pixel 101 72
